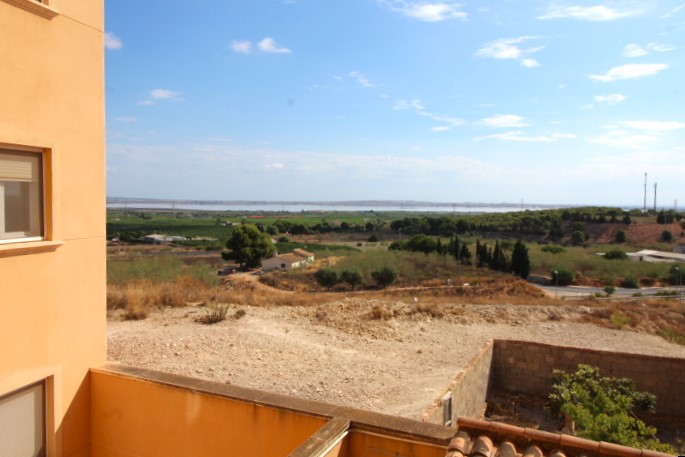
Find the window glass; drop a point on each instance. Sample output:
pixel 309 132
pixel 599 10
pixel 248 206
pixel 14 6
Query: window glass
pixel 21 206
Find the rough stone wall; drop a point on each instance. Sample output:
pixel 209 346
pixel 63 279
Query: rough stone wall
pixel 527 367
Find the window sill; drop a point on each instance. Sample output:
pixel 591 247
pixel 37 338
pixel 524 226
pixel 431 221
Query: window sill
pixel 34 7
pixel 30 247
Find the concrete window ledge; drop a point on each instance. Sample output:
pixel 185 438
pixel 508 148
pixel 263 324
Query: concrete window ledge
pixel 41 9
pixel 31 247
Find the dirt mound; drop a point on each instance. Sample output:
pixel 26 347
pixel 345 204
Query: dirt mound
pixel 638 233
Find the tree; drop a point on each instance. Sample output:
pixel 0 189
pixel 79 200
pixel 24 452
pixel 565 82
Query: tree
pixel 327 277
pixel 562 277
pixel 621 236
pixel 577 237
pixel 666 236
pixel 352 277
pixel 385 276
pixel 616 254
pixel 602 408
pixel 520 262
pixel 249 246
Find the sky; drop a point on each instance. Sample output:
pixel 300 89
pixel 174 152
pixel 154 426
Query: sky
pixel 567 102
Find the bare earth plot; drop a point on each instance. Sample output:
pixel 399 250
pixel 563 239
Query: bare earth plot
pixel 392 360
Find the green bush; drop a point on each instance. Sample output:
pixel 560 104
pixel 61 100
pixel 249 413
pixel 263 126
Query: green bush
pixel 563 277
pixel 327 277
pixel 609 289
pixel 553 249
pixel 616 254
pixel 352 277
pixel 621 236
pixel 602 408
pixel 385 276
pixel 631 282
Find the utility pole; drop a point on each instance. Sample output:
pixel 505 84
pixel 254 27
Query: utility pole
pixel 655 197
pixel 644 209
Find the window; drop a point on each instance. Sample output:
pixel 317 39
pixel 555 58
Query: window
pixel 22 422
pixel 21 196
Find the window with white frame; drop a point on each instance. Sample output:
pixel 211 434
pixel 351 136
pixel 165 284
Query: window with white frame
pixel 22 422
pixel 21 195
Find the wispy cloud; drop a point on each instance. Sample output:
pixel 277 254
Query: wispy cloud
pixel 156 95
pixel 241 46
pixel 426 11
pixel 611 99
pixel 504 121
pixel 655 126
pixel 441 128
pixel 267 45
pixel 673 12
pixel 113 42
pixel 589 13
pixel 635 50
pixel 126 119
pixel 418 107
pixel 518 136
pixel 270 46
pixel 361 79
pixel 509 49
pixel 624 139
pixel 630 72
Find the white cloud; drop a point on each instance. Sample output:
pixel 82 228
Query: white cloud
pixel 270 46
pixel 401 105
pixel 441 128
pixel 504 121
pixel 164 94
pixel 417 106
pixel 673 12
pixel 611 99
pixel 241 46
pixel 655 126
pixel 517 136
pixel 624 139
pixel 590 13
pixel 508 49
pixel 635 50
pixel 126 119
pixel 160 94
pixel 361 79
pixel 426 11
pixel 112 41
pixel 630 72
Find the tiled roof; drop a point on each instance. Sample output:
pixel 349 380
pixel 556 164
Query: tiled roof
pixel 478 438
pixel 302 253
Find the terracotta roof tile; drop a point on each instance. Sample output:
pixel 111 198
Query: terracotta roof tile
pixel 479 438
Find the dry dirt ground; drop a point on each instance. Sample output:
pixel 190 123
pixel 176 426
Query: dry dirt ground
pixel 381 356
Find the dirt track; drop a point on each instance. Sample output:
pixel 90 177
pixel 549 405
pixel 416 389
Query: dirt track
pixel 386 357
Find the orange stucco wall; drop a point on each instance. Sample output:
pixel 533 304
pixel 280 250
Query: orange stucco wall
pixel 52 297
pixel 134 417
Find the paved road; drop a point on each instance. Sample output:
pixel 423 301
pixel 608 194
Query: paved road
pixel 577 291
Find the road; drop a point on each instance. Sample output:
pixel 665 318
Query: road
pixel 578 291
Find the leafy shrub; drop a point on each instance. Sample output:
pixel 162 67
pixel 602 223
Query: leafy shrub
pixel 385 276
pixel 563 277
pixel 609 289
pixel 621 236
pixel 666 236
pixel 373 238
pixel 327 277
pixel 631 282
pixel 616 254
pixel 352 277
pixel 602 408
pixel 553 249
pixel 578 237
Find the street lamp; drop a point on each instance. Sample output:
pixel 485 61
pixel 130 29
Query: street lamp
pixel 556 284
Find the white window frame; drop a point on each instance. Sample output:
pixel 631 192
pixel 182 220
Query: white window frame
pixel 37 213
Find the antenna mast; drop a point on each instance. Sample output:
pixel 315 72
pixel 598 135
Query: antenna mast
pixel 644 209
pixel 655 197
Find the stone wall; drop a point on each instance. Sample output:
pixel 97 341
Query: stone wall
pixel 527 368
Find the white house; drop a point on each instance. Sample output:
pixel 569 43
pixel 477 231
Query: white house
pixel 297 259
pixel 656 256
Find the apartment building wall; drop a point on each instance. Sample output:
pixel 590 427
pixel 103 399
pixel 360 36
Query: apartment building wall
pixel 52 290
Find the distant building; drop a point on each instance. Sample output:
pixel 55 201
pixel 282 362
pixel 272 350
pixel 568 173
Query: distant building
pixel 297 259
pixel 156 238
pixel 647 255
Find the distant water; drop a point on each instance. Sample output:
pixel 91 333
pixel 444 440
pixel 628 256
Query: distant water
pixel 297 207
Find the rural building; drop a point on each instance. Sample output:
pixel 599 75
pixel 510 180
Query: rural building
pixel 58 395
pixel 157 238
pixel 656 256
pixel 297 259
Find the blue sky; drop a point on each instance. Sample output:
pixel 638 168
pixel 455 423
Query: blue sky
pixel 567 102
